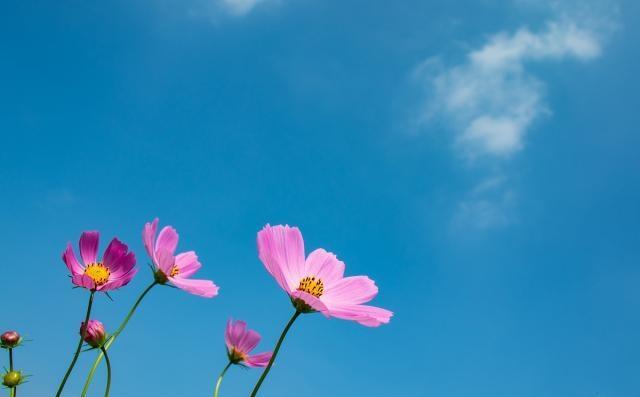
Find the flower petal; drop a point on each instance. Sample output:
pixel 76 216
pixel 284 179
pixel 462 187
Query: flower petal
pixel 204 288
pixel 281 250
pixel 166 260
pixel 114 251
pixel 89 246
pixel 69 258
pixel 249 341
pixel 148 235
pixel 167 240
pixel 82 280
pixel 350 291
pixel 119 282
pixel 258 360
pixel 369 316
pixel 187 263
pixel 324 265
pixel 315 303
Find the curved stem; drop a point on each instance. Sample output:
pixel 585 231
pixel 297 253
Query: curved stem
pixel 224 371
pixel 96 362
pixel 106 360
pixel 275 353
pixel 77 353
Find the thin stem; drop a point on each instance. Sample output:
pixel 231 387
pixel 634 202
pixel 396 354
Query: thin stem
pixel 106 360
pixel 224 371
pixel 96 362
pixel 77 353
pixel 275 353
pixel 12 391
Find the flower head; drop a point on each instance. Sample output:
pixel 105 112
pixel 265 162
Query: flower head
pixel 115 270
pixel 317 283
pixel 240 342
pixel 12 378
pixel 94 335
pixel 10 339
pixel 177 269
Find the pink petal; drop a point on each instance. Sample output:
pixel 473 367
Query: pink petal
pixel 249 341
pixel 228 334
pixel 82 280
pixel 89 246
pixel 350 291
pixel 167 240
pixel 123 265
pixel 165 260
pixel 69 258
pixel 369 316
pixel 204 288
pixel 114 251
pixel 324 265
pixel 148 235
pixel 235 332
pixel 281 250
pixel 258 360
pixel 119 282
pixel 187 263
pixel 312 301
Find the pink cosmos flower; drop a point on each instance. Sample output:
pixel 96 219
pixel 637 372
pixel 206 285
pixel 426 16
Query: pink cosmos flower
pixel 317 283
pixel 115 270
pixel 240 342
pixel 174 268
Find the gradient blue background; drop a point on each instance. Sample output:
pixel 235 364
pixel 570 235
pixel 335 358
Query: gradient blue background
pixel 114 113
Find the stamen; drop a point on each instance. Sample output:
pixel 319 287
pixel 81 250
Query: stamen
pixel 312 285
pixel 98 272
pixel 174 271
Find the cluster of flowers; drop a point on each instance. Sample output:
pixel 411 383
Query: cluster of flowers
pixel 314 284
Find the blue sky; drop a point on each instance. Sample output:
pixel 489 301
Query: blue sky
pixel 477 159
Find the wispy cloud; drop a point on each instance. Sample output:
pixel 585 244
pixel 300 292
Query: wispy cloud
pixel 491 100
pixel 490 204
pixel 241 7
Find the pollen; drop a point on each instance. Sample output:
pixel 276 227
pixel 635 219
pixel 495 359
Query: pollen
pixel 98 272
pixel 312 285
pixel 174 271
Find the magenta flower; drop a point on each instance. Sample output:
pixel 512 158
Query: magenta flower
pixel 240 342
pixel 174 268
pixel 317 283
pixel 115 270
pixel 95 335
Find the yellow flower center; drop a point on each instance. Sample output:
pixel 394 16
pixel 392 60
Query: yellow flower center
pixel 174 271
pixel 312 285
pixel 98 272
pixel 236 356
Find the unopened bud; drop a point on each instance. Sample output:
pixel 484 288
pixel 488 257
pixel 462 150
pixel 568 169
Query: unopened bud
pixel 10 339
pixel 12 378
pixel 94 334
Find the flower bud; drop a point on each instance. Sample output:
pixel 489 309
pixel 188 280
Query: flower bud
pixel 10 339
pixel 12 379
pixel 94 335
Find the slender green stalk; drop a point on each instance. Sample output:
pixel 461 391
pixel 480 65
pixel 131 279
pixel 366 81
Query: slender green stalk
pixel 12 391
pixel 96 362
pixel 77 353
pixel 106 360
pixel 275 353
pixel 224 371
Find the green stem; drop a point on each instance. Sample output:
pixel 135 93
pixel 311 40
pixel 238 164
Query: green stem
pixel 77 353
pixel 224 371
pixel 12 391
pixel 106 360
pixel 275 353
pixel 96 362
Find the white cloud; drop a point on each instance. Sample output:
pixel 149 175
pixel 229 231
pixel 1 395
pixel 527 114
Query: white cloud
pixel 240 7
pixel 489 205
pixel 491 100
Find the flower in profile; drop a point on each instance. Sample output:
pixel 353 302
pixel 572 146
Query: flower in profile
pixel 240 342
pixel 115 270
pixel 317 283
pixel 10 339
pixel 94 335
pixel 176 269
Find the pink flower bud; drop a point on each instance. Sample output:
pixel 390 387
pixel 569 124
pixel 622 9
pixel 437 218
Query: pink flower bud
pixel 10 339
pixel 94 335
